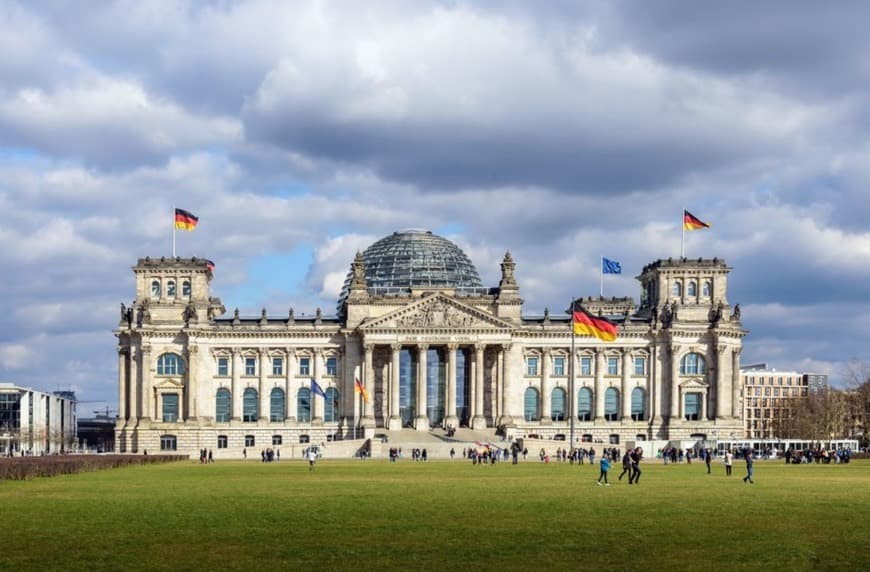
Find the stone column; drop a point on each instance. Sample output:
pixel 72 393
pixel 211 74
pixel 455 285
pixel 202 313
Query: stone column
pixel 236 389
pixel 735 383
pixel 317 400
pixel 135 386
pixel 263 388
pixel 395 421
pixel 675 384
pixel 625 398
pixel 506 418
pixel 600 365
pixel 421 423
pixel 704 397
pixel 122 383
pixel 289 372
pixel 546 390
pixel 479 421
pixel 656 403
pixel 368 381
pixel 451 418
pixel 189 391
pixel 147 391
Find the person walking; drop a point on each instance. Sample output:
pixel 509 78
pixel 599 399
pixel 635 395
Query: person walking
pixel 312 458
pixel 634 475
pixel 708 456
pixel 748 478
pixel 626 465
pixel 729 460
pixel 605 466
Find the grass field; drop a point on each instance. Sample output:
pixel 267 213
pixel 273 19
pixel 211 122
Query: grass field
pixel 440 515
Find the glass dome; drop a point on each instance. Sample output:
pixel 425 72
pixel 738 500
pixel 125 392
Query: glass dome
pixel 415 259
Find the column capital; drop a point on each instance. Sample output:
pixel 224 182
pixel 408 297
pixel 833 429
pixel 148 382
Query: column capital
pixel 290 351
pixel 123 350
pixel 423 347
pixel 452 346
pixel 396 347
pixel 546 351
pixel 506 347
pixel 480 346
pixel 368 347
pixel 145 349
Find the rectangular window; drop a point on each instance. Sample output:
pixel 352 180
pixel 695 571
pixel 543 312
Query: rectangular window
pixel 585 366
pixel 332 366
pixel 779 381
pixel 766 391
pixel 168 443
pixel 250 366
pixel 612 366
pixel 222 441
pixel 277 366
pixel 170 407
pixel 305 366
pixel 776 392
pixel 223 366
pixel 758 392
pixel 277 439
pixel 640 366
pixel 558 366
pixel 531 366
pixel 249 441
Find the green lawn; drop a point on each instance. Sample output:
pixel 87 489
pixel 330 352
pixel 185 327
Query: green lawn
pixel 352 515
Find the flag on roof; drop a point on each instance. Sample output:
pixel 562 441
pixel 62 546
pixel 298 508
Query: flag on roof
pixel 610 266
pixel 585 324
pixel 691 222
pixel 185 220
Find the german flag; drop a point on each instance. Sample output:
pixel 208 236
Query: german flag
pixel 691 222
pixel 360 388
pixel 185 220
pixel 585 324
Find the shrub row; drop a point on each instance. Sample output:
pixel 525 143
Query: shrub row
pixel 23 468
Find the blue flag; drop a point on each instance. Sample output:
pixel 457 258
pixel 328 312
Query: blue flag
pixel 610 266
pixel 316 389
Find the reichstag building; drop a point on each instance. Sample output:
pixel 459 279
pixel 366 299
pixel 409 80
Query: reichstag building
pixel 433 348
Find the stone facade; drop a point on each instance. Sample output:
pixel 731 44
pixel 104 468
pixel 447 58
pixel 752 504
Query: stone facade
pixel 190 378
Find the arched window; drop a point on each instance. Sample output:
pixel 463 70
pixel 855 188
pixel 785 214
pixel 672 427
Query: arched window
pixel 677 289
pixel 557 405
pixel 185 288
pixel 693 364
pixel 222 405
pixel 584 404
pixel 303 405
pixel 611 404
pixel 249 405
pixel 706 289
pixel 693 406
pixel 170 364
pixel 638 395
pixel 692 289
pixel 532 405
pixel 276 405
pixel 330 405
pixel 155 288
pixel 170 289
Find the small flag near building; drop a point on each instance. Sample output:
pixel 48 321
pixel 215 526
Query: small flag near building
pixel 585 324
pixel 691 222
pixel 610 266
pixel 316 389
pixel 360 388
pixel 185 220
pixel 210 265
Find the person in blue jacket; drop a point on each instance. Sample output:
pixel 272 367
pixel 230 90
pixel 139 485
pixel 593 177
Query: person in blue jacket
pixel 605 466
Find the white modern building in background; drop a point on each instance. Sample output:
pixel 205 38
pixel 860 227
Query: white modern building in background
pixel 433 347
pixel 37 423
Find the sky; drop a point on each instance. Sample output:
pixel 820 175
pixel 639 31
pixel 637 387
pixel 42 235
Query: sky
pixel 300 133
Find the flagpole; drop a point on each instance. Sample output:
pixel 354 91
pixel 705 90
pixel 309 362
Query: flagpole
pixel 571 395
pixel 173 230
pixel 601 275
pixel 683 235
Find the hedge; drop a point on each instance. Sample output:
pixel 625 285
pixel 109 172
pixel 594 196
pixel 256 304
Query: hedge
pixel 23 468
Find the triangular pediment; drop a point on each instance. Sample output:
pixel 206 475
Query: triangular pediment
pixel 694 384
pixel 169 383
pixel 436 312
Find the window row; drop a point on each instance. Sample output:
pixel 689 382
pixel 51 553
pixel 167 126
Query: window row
pixel 752 380
pixel 277 405
pixel 171 288
pixel 585 412
pixel 560 365
pixel 691 289
pixel 278 366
